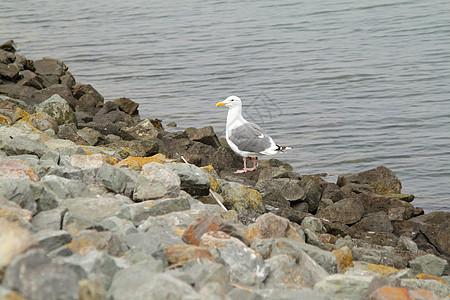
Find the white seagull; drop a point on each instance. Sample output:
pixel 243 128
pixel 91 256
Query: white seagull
pixel 245 138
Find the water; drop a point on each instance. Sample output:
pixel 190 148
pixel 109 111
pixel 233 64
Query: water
pixel 349 84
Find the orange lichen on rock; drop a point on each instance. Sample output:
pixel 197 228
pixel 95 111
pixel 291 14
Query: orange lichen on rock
pixel 16 168
pixel 214 184
pixel 344 259
pixel 136 163
pixel 430 277
pixel 182 254
pixel 398 293
pixel 5 120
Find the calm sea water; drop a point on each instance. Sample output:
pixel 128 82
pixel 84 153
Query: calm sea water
pixel 349 84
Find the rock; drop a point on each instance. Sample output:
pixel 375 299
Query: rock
pixel 49 239
pixel 275 294
pixel 313 192
pixel 92 96
pixel 14 141
pixel 19 191
pixel 91 290
pixel 143 281
pixel 346 211
pixel 49 66
pixel 39 96
pixel 201 274
pixel 93 161
pixel 332 191
pixel 285 272
pixel 383 255
pixel 344 259
pixel 313 224
pixel 396 209
pixel 244 266
pixel 31 79
pixel 137 213
pixel 50 219
pixel 341 286
pixel 85 241
pixel 35 276
pixel 9 46
pixel 377 222
pixel 270 225
pixel 215 239
pixel 429 264
pixel 405 243
pixel 114 179
pixel 136 163
pixel 288 188
pixel 436 287
pixel 110 112
pixel 142 130
pixel 91 136
pixel 117 225
pixel 239 197
pixel 127 105
pixel 14 240
pixel 43 122
pixel 380 181
pixel 207 223
pixel 94 208
pixel 181 254
pixel 193 179
pixel 58 108
pixel 205 135
pixel 156 181
pixel 12 212
pixel 67 80
pixel 16 169
pixel 9 71
pixel 391 293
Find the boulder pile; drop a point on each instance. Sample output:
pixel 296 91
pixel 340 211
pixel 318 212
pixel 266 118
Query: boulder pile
pixel 96 203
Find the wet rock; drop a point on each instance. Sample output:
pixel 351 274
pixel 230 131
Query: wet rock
pixel 313 192
pixel 156 181
pixel 39 96
pixel 429 264
pixel 205 135
pixel 289 189
pixel 31 79
pixel 35 276
pixel 341 286
pixel 58 108
pixel 88 97
pixel 49 239
pixel 239 197
pixel 332 191
pixel 144 281
pixel 50 70
pixel 243 265
pixel 9 46
pixel 181 254
pixel 14 240
pixel 9 71
pixel 377 222
pixel 193 179
pixel 142 130
pixel 346 211
pixel 127 105
pixel 380 181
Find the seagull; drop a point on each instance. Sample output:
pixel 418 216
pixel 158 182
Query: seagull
pixel 245 138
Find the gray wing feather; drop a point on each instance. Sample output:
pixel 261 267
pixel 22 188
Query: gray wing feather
pixel 247 138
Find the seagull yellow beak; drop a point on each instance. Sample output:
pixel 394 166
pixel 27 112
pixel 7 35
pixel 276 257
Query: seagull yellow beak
pixel 220 103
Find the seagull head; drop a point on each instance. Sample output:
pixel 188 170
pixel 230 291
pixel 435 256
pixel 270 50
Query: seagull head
pixel 230 102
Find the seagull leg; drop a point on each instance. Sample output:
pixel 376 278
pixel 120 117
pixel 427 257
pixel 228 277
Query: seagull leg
pixel 245 167
pixel 254 164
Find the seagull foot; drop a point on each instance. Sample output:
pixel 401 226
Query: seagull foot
pixel 240 171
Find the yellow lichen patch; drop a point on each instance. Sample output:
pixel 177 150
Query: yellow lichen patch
pixel 381 269
pixel 293 232
pixel 136 163
pixel 214 184
pixel 430 277
pixel 5 120
pixel 344 259
pixel 252 232
pixel 19 114
pixel 179 231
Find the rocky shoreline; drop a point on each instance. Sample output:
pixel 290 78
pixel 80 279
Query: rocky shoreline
pixel 96 203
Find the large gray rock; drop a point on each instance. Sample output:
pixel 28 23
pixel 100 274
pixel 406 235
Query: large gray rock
pixel 143 281
pixel 376 222
pixel 286 272
pixel 95 208
pixel 117 225
pixel 244 266
pixel 193 179
pixel 313 224
pixel 380 180
pixel 114 179
pixel 241 198
pixel 154 239
pixel 58 108
pixel 271 247
pixel 139 212
pixel 347 211
pixel 276 294
pixel 441 290
pixel 19 191
pixel 91 136
pixel 14 141
pixel 64 188
pixel 288 188
pixel 98 266
pixel 35 276
pixel 49 239
pixel 429 264
pixel 49 219
pixel 156 181
pixel 341 286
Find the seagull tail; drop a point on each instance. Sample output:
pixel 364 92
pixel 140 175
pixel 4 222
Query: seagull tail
pixel 282 148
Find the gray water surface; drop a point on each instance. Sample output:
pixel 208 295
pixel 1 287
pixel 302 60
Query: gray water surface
pixel 351 85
